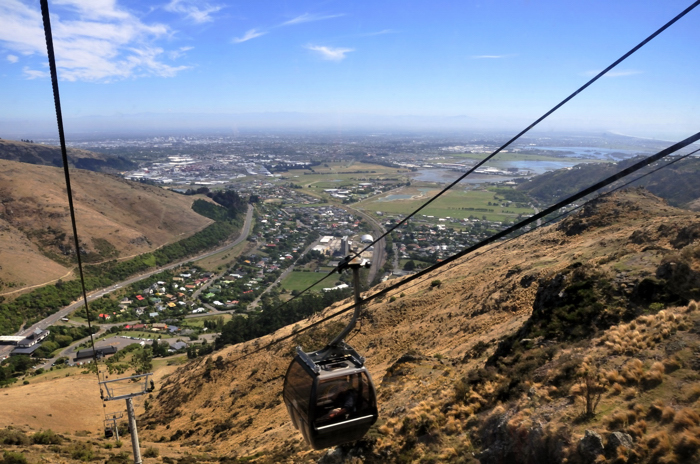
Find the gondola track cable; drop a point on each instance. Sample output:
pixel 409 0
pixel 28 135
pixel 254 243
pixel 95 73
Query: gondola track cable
pixel 54 79
pixel 66 170
pixel 555 218
pixel 527 221
pixel 502 147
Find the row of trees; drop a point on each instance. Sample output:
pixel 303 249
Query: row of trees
pixel 275 316
pixel 34 306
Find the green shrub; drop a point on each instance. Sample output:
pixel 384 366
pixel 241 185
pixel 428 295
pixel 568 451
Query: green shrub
pixel 10 436
pixel 151 453
pixel 81 451
pixel 8 457
pixel 121 458
pixel 47 437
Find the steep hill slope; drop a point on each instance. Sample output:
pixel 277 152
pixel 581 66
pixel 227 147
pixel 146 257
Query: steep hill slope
pixel 116 219
pixel 489 360
pixel 49 155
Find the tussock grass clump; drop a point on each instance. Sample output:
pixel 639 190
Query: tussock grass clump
pixel 616 389
pixel 617 421
pixel 692 393
pixel 638 429
pixel 667 415
pixel 685 419
pixel 655 410
pixel 688 443
pixel 659 445
pixel 642 333
pixel 671 364
pixel 654 376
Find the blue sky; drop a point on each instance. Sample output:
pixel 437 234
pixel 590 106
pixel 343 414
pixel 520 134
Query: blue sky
pixel 458 64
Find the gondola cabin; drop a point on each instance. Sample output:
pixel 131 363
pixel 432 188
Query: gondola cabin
pixel 330 396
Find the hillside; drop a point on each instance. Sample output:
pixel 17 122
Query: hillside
pixel 49 155
pixel 676 183
pixel 116 219
pixel 486 363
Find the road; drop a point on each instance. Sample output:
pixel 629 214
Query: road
pixel 64 312
pixel 379 253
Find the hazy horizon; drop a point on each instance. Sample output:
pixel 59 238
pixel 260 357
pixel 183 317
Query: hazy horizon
pixel 177 65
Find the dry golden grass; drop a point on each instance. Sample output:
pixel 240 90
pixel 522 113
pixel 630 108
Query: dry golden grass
pixel 474 303
pixel 134 218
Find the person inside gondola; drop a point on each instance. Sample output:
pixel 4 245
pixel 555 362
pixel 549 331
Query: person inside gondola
pixel 343 402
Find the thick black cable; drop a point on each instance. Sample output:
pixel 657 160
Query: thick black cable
pixel 508 143
pixel 66 172
pixel 583 193
pixel 556 218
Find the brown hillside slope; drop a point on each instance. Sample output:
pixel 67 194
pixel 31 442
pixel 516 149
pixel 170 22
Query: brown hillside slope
pixel 529 309
pixel 116 219
pixel 34 153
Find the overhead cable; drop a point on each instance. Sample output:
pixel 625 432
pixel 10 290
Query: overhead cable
pixel 66 171
pixel 520 225
pixel 502 147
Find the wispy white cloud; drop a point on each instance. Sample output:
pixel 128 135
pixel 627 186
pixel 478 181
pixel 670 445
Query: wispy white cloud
pixel 305 18
pixel 309 17
pixel 251 34
pixel 197 11
pixel 34 74
pixel 329 53
pixel 94 40
pixel 620 73
pixel 489 57
pixel 12 58
pixel 175 54
pixel 382 32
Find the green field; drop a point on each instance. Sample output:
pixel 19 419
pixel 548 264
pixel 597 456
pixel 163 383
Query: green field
pixel 419 264
pixel 508 157
pixel 338 175
pixel 451 204
pixel 199 321
pixel 225 258
pixel 141 334
pixel 300 280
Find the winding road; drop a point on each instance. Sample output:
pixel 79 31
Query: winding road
pixel 64 312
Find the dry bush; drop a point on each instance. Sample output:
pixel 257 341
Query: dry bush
pixel 632 371
pixel 638 429
pixel 630 393
pixel 671 364
pixel 654 376
pixel 688 444
pixel 667 414
pixel 693 393
pixel 616 389
pixel 692 306
pixel 613 376
pixel 685 419
pixel 618 420
pixel 659 445
pixel 655 410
